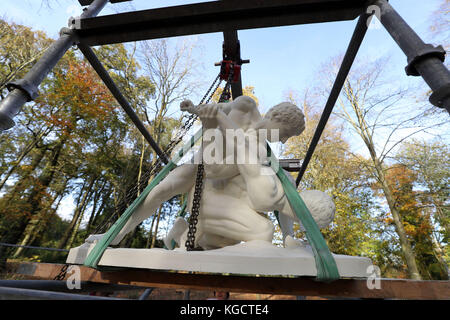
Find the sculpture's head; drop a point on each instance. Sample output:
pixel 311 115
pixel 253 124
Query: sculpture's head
pixel 287 118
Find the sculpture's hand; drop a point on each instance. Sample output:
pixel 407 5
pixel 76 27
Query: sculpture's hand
pixel 187 106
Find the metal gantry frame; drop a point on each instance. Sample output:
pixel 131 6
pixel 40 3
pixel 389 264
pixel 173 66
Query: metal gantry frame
pixel 228 16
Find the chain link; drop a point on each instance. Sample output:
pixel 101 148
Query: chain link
pixel 132 193
pixel 193 219
pixel 62 273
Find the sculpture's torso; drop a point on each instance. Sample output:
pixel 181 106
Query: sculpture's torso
pixel 227 167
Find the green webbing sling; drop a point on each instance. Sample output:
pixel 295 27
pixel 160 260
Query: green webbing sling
pixel 181 214
pixel 325 264
pixel 95 255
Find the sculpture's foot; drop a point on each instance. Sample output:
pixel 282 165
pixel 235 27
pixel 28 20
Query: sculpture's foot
pixel 292 243
pixel 179 227
pixel 94 238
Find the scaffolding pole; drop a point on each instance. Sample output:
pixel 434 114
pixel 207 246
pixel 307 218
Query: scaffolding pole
pixel 423 59
pixel 26 89
pixel 7 293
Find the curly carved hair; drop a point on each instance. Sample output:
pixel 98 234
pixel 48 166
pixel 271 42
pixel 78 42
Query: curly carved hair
pixel 289 115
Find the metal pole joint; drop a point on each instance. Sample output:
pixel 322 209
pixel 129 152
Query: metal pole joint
pixel 423 59
pixel 441 97
pixel 69 32
pixel 425 52
pixel 30 89
pixel 26 89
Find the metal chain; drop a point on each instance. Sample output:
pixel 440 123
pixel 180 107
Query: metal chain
pixel 62 273
pixel 132 193
pixel 193 219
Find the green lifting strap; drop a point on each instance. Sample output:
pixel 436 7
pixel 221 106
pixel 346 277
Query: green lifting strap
pixel 182 211
pixel 181 214
pixel 97 252
pixel 325 264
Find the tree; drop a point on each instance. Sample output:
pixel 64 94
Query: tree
pixel 416 220
pixel 173 71
pixel 440 24
pixel 372 107
pixel 332 169
pixel 248 91
pixel 84 107
pixel 429 161
pixel 20 47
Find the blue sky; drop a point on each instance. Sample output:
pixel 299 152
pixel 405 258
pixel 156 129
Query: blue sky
pixel 282 58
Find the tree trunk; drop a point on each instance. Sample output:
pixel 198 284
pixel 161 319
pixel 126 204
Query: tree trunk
pixel 36 223
pixel 141 161
pixel 36 196
pixel 155 233
pixel 44 223
pixel 97 194
pixel 442 217
pixel 439 254
pixel 364 132
pixel 408 253
pixel 75 229
pixel 76 215
pixel 22 155
pixel 99 211
pixel 24 179
pixel 150 236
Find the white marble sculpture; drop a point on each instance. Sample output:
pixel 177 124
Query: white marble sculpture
pixel 235 191
pixel 236 237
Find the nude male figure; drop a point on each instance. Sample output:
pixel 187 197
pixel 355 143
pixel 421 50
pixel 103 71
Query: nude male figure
pixel 233 194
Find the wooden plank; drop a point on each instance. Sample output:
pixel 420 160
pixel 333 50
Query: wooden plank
pixel 303 286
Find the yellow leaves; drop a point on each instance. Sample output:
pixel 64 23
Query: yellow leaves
pixel 248 91
pixel 25 167
pixel 409 229
pixel 78 94
pixel 34 258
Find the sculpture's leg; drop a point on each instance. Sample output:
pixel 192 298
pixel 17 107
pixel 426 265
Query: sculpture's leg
pixel 227 220
pixel 179 181
pixel 209 241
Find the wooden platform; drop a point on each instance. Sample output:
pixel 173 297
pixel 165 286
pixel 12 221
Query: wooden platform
pixel 302 286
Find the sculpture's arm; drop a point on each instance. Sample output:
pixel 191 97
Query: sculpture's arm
pixel 243 103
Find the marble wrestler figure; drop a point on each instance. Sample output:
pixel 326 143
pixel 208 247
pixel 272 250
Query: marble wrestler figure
pixel 235 191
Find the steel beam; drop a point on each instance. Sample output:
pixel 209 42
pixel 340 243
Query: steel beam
pixel 146 294
pixel 347 62
pixel 423 59
pixel 103 74
pixel 30 294
pixel 61 286
pixel 26 89
pixel 88 2
pixel 214 16
pixel 2 244
pixel 231 50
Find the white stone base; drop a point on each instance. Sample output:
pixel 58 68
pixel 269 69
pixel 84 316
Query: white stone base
pixel 253 257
